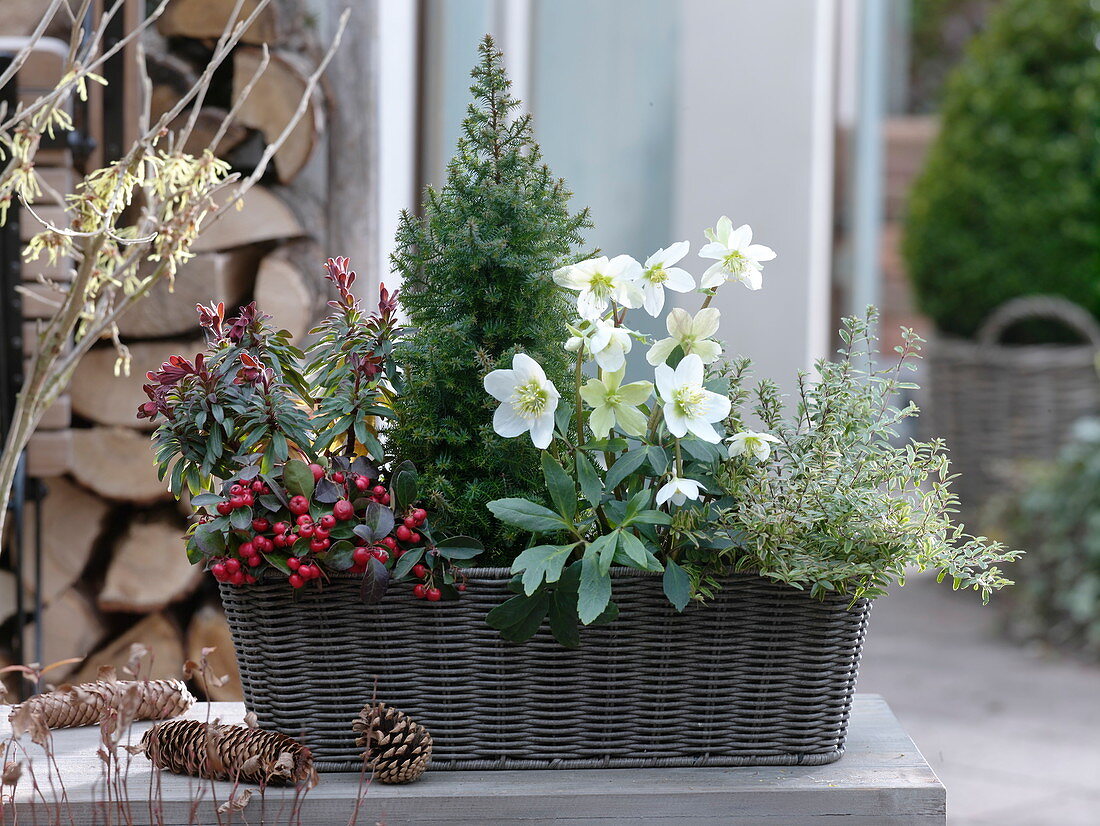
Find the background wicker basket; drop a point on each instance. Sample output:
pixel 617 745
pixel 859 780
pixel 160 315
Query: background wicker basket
pixel 762 675
pixel 997 404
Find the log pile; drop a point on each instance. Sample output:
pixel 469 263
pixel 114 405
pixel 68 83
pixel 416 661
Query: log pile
pixel 114 568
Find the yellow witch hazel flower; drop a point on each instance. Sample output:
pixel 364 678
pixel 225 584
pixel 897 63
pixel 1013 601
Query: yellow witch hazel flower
pixel 614 403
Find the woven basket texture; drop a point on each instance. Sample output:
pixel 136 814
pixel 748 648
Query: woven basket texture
pixel 997 405
pixel 761 675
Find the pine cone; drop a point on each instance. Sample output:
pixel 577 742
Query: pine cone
pixel 89 703
pixel 397 748
pixel 223 752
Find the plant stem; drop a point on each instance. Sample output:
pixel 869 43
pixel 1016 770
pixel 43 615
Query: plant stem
pixel 679 460
pixel 578 375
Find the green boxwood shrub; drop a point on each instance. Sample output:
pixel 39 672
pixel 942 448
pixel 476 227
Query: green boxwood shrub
pixel 1008 203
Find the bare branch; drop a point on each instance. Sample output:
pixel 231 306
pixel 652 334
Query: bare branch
pixel 21 58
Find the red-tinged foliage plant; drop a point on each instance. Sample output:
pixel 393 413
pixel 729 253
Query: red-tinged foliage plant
pixel 279 451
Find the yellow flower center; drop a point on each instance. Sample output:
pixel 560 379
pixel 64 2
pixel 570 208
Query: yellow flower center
pixel 735 262
pixel 656 275
pixel 530 399
pixel 690 401
pixel 600 285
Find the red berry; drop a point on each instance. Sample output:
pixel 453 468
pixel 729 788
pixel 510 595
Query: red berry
pixel 361 556
pixel 362 483
pixel 419 591
pixel 258 486
pixel 254 561
pixel 218 570
pixel 260 525
pixel 314 571
pixel 318 545
pixel 328 521
pixel 410 522
pixel 251 580
pixel 236 502
pixel 379 490
pixel 236 490
pixel 280 527
pixel 306 531
pixel 290 538
pixel 321 532
pixel 237 578
pixel 385 499
pixel 461 586
pixel 382 555
pixel 390 543
pixel 279 541
pixel 224 508
pixel 304 519
pixel 419 571
pixel 434 594
pixel 318 471
pixel 415 538
pixel 299 505
pixel 343 510
pixel 293 563
pixel 296 581
pixel 338 478
pixel 420 515
pixel 232 565
pixel 403 533
pixel 263 544
pixel 248 499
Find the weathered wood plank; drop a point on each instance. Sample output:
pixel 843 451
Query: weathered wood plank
pixel 882 780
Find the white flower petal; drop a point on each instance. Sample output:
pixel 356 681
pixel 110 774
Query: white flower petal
pixel 665 493
pixel 674 253
pixel 500 383
pixel 542 429
pixel 631 420
pixel 653 298
pixel 715 276
pixel 526 368
pixel 704 430
pixel 601 421
pixel 664 376
pixel 740 237
pixel 678 323
pixel 713 250
pixel 508 423
pixel 705 323
pixel 715 407
pixel 723 229
pixel 611 358
pixel 689 371
pixel 676 422
pixel 760 253
pixel 752 279
pixel 658 354
pixel 708 350
pixel 679 280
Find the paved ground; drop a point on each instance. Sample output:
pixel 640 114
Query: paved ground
pixel 1012 731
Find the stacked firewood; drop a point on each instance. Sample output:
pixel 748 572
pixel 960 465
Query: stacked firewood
pixel 114 568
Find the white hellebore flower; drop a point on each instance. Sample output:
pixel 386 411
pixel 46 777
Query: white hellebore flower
pixel 601 340
pixel 689 405
pixel 527 400
pixel 659 273
pixel 749 441
pixel 600 282
pixel 692 335
pixel 613 402
pixel 736 256
pixel 678 490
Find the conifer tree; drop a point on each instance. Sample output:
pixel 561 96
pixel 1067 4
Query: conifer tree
pixel 477 268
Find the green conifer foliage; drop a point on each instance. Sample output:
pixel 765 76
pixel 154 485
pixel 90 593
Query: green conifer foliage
pixel 477 267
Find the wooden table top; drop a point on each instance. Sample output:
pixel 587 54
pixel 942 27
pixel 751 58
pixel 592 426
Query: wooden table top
pixel 882 779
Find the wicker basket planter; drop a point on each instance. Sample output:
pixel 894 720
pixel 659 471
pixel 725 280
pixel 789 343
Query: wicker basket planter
pixel 996 405
pixel 763 675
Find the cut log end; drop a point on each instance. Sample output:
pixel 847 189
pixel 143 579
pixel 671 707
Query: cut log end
pixel 149 569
